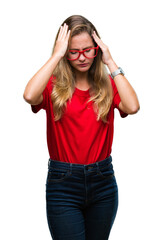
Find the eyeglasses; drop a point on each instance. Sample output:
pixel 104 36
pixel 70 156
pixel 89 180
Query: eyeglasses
pixel 88 53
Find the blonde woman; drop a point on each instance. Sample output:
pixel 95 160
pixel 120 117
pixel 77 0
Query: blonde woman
pixel 79 97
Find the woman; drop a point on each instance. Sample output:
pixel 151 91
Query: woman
pixel 79 97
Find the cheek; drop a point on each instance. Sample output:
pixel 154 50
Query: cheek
pixel 91 61
pixel 72 63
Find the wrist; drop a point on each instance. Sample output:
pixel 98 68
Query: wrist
pixel 112 66
pixel 56 56
pixel 117 72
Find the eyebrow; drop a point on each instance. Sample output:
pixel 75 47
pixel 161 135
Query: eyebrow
pixel 83 48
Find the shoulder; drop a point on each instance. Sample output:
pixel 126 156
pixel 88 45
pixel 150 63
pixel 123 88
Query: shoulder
pixel 51 83
pixel 113 84
pixel 112 81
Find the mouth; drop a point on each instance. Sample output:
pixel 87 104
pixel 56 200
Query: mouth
pixel 83 65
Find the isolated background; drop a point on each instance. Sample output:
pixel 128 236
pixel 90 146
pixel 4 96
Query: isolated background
pixel 133 32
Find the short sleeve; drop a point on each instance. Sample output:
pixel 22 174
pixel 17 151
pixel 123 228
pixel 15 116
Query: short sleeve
pixel 46 97
pixel 116 98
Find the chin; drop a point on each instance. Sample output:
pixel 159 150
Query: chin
pixel 83 69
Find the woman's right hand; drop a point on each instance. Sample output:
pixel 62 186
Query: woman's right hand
pixel 62 41
pixel 36 85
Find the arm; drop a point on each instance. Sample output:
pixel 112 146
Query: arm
pixel 129 101
pixel 35 87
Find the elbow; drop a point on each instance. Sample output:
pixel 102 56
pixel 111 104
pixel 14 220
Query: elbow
pixel 135 108
pixel 27 98
pixel 32 100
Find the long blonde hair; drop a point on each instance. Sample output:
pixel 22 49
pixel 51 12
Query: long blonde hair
pixel 64 85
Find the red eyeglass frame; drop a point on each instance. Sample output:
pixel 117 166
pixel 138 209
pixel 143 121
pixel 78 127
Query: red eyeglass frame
pixel 82 52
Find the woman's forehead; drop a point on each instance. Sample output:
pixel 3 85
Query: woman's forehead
pixel 81 41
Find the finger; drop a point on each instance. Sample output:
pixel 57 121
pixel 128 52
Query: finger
pixel 95 37
pixel 68 35
pixel 59 34
pixel 62 30
pixel 98 40
pixel 65 31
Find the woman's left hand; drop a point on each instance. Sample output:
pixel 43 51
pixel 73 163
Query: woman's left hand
pixel 106 56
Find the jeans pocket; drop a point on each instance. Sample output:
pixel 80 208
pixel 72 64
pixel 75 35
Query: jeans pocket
pixel 106 172
pixel 57 175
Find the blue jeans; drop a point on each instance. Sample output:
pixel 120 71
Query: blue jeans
pixel 82 200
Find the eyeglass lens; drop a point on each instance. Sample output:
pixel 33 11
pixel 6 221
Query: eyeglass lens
pixel 88 53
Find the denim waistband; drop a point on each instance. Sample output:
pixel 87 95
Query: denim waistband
pixel 75 166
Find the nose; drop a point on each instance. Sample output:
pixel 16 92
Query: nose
pixel 81 57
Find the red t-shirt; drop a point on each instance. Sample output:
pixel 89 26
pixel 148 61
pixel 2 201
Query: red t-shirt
pixel 78 137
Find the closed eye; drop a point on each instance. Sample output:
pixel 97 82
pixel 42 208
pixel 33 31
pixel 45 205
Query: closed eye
pixel 87 50
pixel 73 53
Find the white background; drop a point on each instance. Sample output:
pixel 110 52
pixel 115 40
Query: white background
pixel 133 32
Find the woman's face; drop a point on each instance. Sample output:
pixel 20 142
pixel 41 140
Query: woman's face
pixel 81 42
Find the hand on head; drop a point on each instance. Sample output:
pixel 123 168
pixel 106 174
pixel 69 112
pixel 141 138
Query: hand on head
pixel 62 41
pixel 106 56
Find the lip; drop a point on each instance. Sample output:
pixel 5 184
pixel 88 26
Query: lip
pixel 83 65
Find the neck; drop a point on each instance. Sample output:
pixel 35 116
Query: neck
pixel 81 80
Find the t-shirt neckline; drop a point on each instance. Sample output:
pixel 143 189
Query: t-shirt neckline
pixel 81 92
